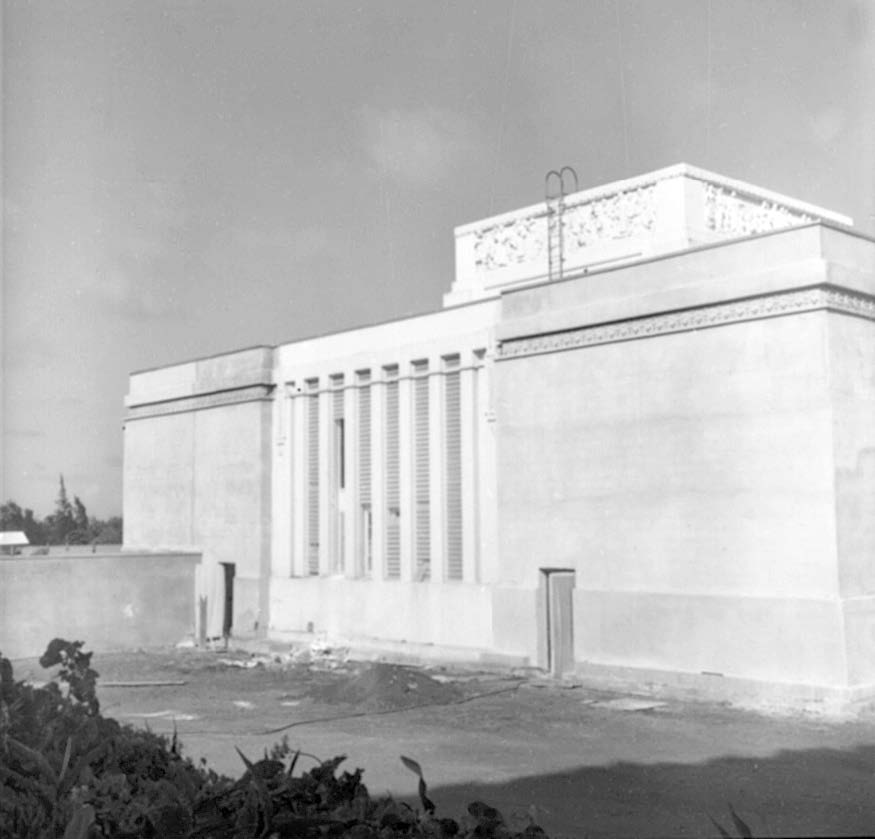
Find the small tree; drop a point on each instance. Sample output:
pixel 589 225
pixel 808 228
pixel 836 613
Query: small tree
pixel 62 522
pixel 12 517
pixel 107 532
pixel 80 534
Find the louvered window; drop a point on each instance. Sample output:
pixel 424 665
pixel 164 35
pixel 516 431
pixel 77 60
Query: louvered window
pixel 313 477
pixel 393 494
pixel 421 471
pixel 364 484
pixel 453 466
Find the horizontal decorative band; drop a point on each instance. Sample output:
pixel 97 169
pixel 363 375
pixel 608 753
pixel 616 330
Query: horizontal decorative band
pixel 253 393
pixel 754 308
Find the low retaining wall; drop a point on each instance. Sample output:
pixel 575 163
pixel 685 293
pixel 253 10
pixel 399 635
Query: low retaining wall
pixel 111 602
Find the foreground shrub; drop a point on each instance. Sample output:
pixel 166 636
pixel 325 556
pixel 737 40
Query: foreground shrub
pixel 67 771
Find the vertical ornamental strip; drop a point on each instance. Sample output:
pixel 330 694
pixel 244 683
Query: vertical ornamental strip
pixel 393 477
pixel 422 476
pixel 365 564
pixel 453 466
pixel 313 477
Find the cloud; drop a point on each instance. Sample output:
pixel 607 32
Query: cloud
pixel 419 146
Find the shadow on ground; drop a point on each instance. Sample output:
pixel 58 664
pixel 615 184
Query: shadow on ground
pixel 816 792
pixel 592 765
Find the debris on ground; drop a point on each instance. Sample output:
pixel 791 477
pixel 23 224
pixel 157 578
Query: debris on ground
pixel 158 715
pixel 318 655
pixel 380 686
pixel 626 703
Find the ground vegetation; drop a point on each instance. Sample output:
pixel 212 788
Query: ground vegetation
pixel 69 771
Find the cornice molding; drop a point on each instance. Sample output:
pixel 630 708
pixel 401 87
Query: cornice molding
pixel 219 399
pixel 755 308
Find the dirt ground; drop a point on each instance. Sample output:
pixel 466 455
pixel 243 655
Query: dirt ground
pixel 585 763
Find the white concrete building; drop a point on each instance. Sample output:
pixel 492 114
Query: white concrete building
pixel 644 454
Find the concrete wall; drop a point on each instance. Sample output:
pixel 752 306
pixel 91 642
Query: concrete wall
pixel 852 389
pixel 450 615
pixel 115 602
pixel 443 613
pixel 693 436
pixel 667 473
pixel 197 474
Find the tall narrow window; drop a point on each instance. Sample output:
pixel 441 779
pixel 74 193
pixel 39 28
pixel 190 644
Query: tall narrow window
pixel 421 471
pixel 366 556
pixel 453 465
pixel 338 466
pixel 313 476
pixel 393 486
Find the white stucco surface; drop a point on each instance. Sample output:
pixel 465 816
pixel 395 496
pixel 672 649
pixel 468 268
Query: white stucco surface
pixel 683 419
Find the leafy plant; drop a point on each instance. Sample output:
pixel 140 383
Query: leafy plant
pixel 69 772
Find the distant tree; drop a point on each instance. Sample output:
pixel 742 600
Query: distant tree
pixel 80 515
pixel 81 532
pixel 62 522
pixel 12 517
pixel 109 532
pixel 34 529
pixel 69 524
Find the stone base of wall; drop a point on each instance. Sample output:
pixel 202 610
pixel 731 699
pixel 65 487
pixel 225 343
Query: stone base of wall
pixel 770 697
pixel 400 652
pixel 427 614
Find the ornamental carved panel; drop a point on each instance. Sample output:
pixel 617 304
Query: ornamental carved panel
pixel 624 215
pixel 619 216
pixel 730 215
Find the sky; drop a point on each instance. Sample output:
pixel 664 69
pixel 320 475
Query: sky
pixel 185 178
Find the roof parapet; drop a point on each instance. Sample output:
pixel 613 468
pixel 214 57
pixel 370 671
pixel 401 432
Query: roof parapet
pixel 665 211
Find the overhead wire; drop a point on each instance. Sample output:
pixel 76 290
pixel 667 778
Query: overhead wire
pixel 708 84
pixel 622 86
pixel 502 118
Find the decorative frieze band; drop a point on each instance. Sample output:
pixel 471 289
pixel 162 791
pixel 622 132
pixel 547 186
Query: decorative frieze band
pixel 584 224
pixel 735 216
pixel 756 308
pixel 218 399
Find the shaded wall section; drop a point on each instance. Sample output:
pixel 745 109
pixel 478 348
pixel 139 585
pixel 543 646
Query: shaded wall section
pixel 197 474
pixel 111 602
pixel 852 386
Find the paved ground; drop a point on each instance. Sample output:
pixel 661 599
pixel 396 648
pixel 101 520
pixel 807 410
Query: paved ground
pixel 588 763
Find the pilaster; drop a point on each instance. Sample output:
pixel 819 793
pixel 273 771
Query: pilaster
pixel 378 474
pixel 327 504
pixel 298 468
pixel 352 508
pixel 405 473
pixel 468 383
pixel 437 467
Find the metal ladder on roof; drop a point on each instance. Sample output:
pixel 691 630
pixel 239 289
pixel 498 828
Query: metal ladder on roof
pixel 558 184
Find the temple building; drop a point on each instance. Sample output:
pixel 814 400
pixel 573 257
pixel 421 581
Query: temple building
pixel 637 443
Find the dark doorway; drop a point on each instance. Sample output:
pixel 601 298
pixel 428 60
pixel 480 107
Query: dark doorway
pixel 228 613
